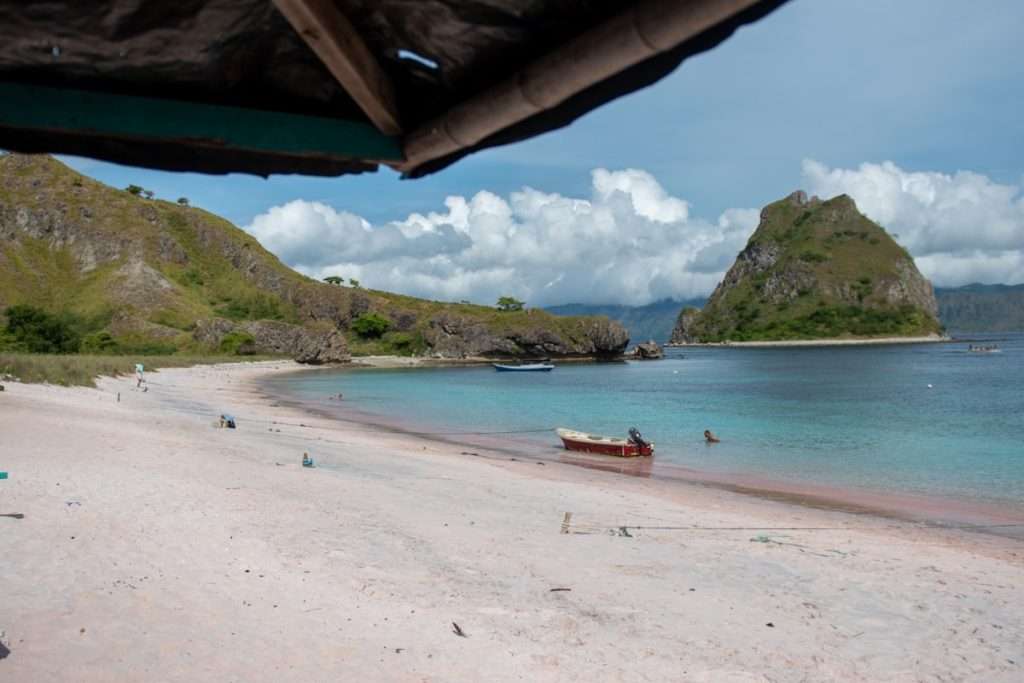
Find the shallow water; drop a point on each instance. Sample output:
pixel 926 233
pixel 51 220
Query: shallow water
pixel 848 417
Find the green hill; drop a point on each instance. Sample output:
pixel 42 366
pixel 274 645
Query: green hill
pixel 815 269
pixel 142 275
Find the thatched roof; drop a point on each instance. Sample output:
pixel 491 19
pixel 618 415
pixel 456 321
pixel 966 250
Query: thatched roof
pixel 329 86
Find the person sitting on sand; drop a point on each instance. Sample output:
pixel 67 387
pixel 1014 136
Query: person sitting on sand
pixel 709 437
pixel 306 460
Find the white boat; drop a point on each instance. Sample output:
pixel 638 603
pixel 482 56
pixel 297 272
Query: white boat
pixel 526 367
pixel 984 349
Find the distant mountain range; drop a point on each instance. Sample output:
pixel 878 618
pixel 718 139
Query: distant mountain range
pixel 982 308
pixel 971 308
pixel 653 321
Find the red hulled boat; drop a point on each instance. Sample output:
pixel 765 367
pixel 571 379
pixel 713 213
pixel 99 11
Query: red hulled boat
pixel 632 447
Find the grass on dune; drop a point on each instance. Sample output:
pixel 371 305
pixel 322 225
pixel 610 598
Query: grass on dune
pixel 82 370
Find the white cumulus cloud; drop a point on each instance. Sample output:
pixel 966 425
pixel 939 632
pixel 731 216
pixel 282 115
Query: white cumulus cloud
pixel 629 242
pixel 960 228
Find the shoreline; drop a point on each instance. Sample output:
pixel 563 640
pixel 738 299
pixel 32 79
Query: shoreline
pixel 930 509
pixel 870 341
pixel 396 362
pixel 215 556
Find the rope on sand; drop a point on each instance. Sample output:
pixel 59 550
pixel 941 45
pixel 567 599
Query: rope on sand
pixel 568 528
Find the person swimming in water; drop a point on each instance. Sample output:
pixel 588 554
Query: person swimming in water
pixel 709 437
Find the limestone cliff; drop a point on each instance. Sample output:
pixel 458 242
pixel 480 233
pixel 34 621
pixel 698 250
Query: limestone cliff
pixel 815 269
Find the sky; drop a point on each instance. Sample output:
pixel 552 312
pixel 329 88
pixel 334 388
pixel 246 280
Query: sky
pixel 911 107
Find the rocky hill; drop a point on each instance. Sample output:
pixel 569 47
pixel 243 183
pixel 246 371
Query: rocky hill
pixel 146 274
pixel 815 269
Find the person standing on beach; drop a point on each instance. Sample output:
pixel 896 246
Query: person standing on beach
pixel 139 376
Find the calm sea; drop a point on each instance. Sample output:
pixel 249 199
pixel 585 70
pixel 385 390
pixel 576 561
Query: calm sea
pixel 931 420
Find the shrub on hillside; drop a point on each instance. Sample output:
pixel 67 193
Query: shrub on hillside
pixel 256 307
pixel 99 343
pixel 238 343
pixel 371 325
pixel 405 343
pixel 810 256
pixel 37 331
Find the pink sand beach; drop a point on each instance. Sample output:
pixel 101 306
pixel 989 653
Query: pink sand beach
pixel 155 546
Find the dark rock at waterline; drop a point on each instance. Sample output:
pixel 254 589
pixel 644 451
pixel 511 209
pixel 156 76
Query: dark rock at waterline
pixel 451 335
pixel 649 350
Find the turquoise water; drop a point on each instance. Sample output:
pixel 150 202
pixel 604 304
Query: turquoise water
pixel 840 417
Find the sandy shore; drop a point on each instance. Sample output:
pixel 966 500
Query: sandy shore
pixel 434 362
pixel 873 341
pixel 154 546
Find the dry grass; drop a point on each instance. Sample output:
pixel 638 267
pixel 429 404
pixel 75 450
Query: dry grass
pixel 82 370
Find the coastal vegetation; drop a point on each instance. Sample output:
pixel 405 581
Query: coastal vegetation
pixel 971 308
pixel 827 322
pixel 135 275
pixel 371 326
pixel 82 369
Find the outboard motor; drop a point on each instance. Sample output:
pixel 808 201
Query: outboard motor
pixel 637 438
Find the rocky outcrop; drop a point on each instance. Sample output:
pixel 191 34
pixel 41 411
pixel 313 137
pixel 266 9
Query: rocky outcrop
pixel 685 330
pixel 815 269
pixel 911 287
pixel 604 337
pixel 210 333
pixel 648 350
pixel 307 345
pixel 451 335
pixel 323 346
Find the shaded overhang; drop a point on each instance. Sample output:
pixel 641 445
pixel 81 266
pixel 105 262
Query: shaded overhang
pixel 329 87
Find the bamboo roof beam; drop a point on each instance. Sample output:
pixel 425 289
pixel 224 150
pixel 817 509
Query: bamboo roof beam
pixel 335 41
pixel 642 31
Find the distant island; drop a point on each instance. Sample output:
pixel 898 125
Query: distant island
pixel 815 270
pixel 970 308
